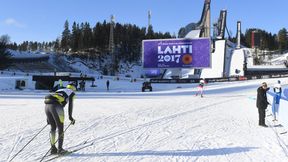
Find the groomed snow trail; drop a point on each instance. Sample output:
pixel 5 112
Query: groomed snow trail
pixel 222 126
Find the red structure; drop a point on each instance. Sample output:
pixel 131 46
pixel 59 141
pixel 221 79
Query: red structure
pixel 255 39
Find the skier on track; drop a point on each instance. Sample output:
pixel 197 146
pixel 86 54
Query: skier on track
pixel 200 87
pixel 54 109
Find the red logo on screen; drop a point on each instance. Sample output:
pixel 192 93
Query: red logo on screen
pixel 187 59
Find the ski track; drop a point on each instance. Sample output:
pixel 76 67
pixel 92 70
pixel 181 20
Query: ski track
pixel 148 125
pixel 170 130
pixel 17 140
pixel 281 142
pixel 154 123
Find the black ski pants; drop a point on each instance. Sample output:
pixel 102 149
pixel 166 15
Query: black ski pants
pixel 55 117
pixel 262 115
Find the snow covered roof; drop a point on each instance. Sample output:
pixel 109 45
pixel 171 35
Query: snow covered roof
pixel 27 55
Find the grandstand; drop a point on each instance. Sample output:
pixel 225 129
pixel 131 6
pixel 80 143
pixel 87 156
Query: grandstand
pixel 31 63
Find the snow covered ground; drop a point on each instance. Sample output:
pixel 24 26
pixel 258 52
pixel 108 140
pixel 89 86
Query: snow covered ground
pixel 27 54
pixel 168 124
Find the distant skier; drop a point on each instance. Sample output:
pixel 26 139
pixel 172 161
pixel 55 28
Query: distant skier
pixel 262 103
pixel 200 87
pixel 276 100
pixel 58 86
pixel 54 110
pixel 107 85
pixel 82 85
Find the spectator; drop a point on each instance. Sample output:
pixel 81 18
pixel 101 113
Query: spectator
pixel 107 85
pixel 82 85
pixel 262 103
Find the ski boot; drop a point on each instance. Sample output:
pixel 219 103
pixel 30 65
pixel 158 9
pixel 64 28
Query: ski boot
pixel 61 151
pixel 53 150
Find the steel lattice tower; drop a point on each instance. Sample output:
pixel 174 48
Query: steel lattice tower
pixel 111 38
pixel 149 18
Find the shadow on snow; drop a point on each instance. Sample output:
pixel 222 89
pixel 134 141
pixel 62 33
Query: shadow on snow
pixel 203 152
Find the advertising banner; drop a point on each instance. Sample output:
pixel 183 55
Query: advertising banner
pixel 152 72
pixel 176 53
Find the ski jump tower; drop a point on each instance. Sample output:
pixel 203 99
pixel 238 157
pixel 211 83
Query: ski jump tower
pixel 112 46
pixel 227 58
pixel 111 36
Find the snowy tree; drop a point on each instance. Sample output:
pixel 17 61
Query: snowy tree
pixel 5 56
pixel 87 35
pixel 75 37
pixel 66 37
pixel 282 39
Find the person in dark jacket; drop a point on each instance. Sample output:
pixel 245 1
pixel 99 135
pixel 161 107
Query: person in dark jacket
pixel 262 103
pixel 54 109
pixel 107 85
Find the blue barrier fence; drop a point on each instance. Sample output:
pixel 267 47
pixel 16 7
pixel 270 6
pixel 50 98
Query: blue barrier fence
pixel 283 106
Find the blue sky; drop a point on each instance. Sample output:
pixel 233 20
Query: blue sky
pixel 43 20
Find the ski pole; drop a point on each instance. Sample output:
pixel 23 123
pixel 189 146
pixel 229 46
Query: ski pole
pixel 28 143
pixel 55 142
